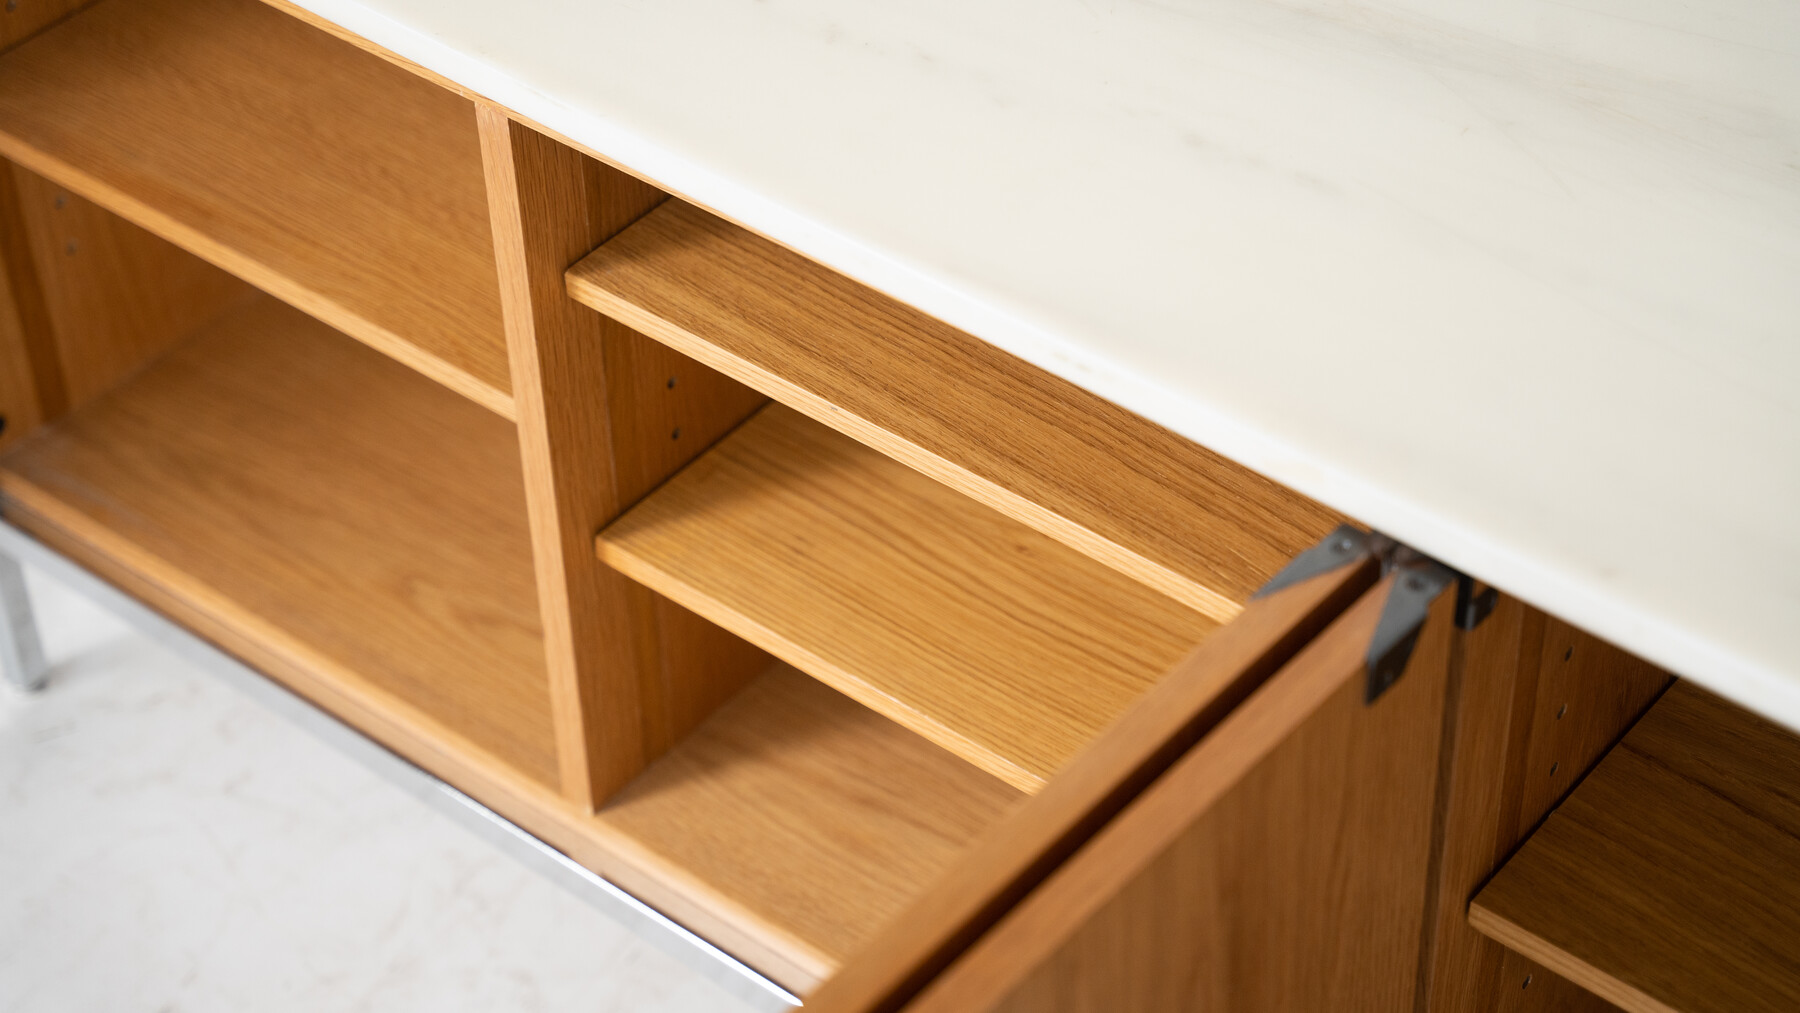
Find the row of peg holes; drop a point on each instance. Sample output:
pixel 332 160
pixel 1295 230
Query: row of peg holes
pixel 1560 711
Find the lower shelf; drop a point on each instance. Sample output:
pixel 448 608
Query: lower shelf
pixel 814 818
pixel 317 509
pixel 1670 878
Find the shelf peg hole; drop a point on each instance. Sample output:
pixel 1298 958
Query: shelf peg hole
pixel 1554 767
pixel 1526 983
pixel 1560 711
pixel 676 435
pixel 1570 653
pixel 671 384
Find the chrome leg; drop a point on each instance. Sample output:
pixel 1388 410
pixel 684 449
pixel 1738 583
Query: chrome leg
pixel 21 653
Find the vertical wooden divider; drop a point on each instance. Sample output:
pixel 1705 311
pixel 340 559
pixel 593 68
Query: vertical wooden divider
pixel 604 414
pixel 1538 703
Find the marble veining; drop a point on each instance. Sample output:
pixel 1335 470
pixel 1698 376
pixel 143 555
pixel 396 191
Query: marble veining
pixel 1517 281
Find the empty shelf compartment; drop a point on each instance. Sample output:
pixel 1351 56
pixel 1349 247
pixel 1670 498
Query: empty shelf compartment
pixel 1002 645
pixel 321 511
pixel 810 818
pixel 1670 877
pixel 322 174
pixel 1024 441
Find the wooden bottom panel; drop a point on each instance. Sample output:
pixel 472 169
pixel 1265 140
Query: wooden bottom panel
pixel 319 507
pixel 811 818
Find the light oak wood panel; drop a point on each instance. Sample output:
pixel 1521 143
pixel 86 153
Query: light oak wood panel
pixel 604 414
pixel 1279 865
pixel 31 384
pixel 1004 646
pixel 1536 703
pixel 320 173
pixel 21 19
pixel 1027 443
pixel 116 296
pixel 19 405
pixel 317 507
pixel 1669 880
pixel 815 817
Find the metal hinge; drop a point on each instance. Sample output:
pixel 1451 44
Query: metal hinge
pixel 1418 582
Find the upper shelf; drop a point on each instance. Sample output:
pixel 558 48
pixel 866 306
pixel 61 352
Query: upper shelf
pixel 1670 879
pixel 318 172
pixel 1004 646
pixel 1040 449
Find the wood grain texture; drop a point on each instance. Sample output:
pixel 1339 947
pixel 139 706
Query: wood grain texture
pixel 1280 865
pixel 1027 443
pixel 31 384
pixel 321 174
pixel 593 401
pixel 1003 646
pixel 1021 850
pixel 314 506
pixel 21 19
pixel 1670 879
pixel 19 405
pixel 816 817
pixel 296 11
pixel 1538 703
pixel 116 296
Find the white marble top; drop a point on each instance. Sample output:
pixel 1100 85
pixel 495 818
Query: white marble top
pixel 1517 281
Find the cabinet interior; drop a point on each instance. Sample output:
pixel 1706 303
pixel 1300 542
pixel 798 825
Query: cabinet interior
pixel 273 398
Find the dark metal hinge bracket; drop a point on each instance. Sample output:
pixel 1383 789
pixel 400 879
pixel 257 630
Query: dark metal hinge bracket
pixel 1419 580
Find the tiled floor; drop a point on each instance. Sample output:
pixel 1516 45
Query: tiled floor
pixel 166 844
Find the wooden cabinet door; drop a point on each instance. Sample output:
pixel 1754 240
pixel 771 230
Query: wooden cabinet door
pixel 1281 864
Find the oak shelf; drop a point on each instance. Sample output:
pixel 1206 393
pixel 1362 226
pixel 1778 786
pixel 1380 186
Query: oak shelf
pixel 1670 878
pixel 320 173
pixel 812 817
pixel 317 509
pixel 1000 644
pixel 1025 442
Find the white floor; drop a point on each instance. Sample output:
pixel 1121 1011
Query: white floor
pixel 167 844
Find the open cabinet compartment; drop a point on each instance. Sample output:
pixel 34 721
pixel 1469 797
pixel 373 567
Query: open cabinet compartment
pixel 970 660
pixel 1050 604
pixel 322 174
pixel 312 506
pixel 996 642
pixel 1669 879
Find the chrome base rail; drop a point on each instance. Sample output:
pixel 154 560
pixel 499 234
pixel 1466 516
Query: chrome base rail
pixel 22 659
